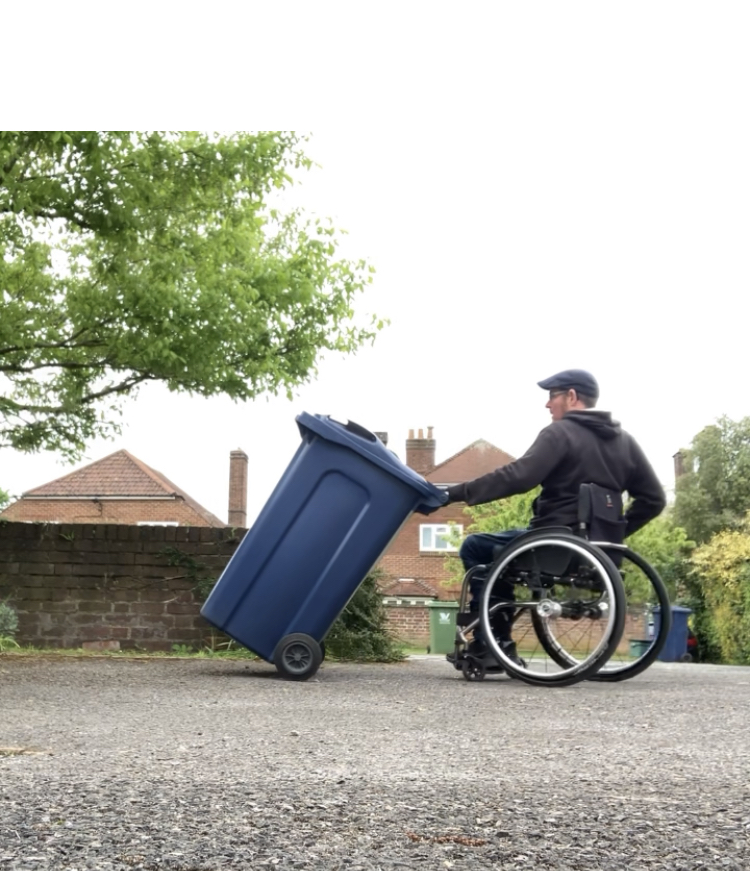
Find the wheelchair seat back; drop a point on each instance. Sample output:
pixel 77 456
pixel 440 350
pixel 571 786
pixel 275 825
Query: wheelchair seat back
pixel 549 560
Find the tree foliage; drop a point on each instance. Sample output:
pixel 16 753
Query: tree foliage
pixel 8 620
pixel 515 512
pixel 666 547
pixel 714 492
pixel 361 631
pixel 135 257
pixel 723 566
pixel 711 503
pixel 8 627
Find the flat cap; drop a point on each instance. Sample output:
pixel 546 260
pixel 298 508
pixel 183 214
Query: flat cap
pixel 572 379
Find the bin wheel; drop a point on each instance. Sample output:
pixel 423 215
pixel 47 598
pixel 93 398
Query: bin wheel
pixel 472 669
pixel 297 656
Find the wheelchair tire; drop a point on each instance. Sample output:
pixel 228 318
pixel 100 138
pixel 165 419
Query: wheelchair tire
pixel 617 668
pixel 553 602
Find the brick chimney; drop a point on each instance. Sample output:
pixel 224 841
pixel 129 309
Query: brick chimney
pixel 238 489
pixel 420 451
pixel 383 436
pixel 679 464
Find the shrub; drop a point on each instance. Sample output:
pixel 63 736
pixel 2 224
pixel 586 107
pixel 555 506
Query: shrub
pixel 8 626
pixel 8 620
pixel 361 631
pixel 722 571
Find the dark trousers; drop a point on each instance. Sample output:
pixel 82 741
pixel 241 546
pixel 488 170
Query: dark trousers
pixel 477 550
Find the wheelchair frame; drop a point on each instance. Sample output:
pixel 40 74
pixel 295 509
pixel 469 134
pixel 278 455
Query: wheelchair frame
pixel 546 563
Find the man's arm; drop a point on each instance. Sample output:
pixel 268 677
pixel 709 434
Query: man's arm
pixel 520 476
pixel 646 491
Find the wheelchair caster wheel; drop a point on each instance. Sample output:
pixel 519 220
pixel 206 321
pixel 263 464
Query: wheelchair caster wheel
pixel 472 669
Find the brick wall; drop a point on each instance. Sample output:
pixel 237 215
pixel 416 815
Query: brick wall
pixel 86 584
pixel 410 624
pixel 588 632
pixel 96 584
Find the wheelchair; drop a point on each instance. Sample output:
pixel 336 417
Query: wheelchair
pixel 569 600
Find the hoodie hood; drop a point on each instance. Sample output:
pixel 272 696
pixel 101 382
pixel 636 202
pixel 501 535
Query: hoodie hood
pixel 599 421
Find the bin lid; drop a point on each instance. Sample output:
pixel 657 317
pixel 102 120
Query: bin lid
pixel 676 609
pixel 440 603
pixel 360 440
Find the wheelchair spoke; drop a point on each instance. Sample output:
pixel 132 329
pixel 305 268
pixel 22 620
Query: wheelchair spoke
pixel 573 639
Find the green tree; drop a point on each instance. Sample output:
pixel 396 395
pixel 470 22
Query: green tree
pixel 8 627
pixel 666 547
pixel 714 492
pixel 361 631
pixel 723 568
pixel 515 512
pixel 135 257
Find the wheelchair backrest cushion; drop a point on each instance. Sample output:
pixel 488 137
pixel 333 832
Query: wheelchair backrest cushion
pixel 549 560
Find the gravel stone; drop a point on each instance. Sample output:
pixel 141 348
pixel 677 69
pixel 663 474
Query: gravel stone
pixel 109 764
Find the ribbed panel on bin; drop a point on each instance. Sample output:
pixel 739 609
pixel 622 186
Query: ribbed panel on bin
pixel 333 513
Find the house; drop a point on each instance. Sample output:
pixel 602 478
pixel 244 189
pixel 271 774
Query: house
pixel 120 488
pixel 414 564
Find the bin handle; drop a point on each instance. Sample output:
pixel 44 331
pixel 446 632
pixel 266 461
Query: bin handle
pixel 360 431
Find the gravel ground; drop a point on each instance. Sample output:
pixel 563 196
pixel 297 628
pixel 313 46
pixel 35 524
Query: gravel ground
pixel 201 765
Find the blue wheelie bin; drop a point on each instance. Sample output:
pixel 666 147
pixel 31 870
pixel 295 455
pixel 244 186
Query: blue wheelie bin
pixel 676 646
pixel 335 510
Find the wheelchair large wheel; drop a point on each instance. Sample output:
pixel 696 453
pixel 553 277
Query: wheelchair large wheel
pixel 644 591
pixel 555 592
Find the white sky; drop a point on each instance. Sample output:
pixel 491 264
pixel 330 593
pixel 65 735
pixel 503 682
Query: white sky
pixel 539 186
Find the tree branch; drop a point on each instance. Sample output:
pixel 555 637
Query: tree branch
pixel 124 386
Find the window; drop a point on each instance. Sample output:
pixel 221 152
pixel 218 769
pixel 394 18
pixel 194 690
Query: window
pixel 435 536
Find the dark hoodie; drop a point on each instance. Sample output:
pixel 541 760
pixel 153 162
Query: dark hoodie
pixel 585 447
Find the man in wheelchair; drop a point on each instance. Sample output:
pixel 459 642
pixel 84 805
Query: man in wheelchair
pixel 582 445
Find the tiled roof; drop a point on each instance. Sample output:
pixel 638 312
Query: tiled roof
pixel 118 475
pixel 407 588
pixel 478 458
